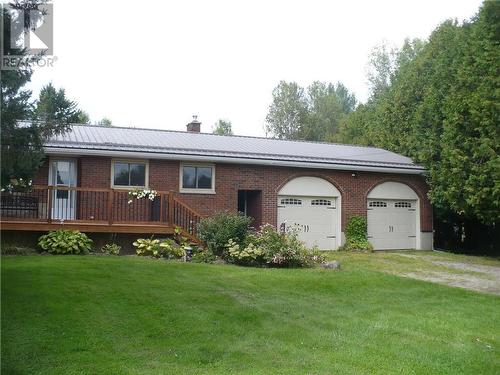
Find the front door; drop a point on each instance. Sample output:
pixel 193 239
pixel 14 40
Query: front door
pixel 63 174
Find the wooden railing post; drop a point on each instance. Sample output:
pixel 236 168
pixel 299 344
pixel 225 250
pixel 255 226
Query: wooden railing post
pixel 49 204
pixel 161 207
pixel 111 195
pixel 170 216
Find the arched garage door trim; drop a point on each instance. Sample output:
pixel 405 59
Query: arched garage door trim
pixel 396 190
pixel 314 189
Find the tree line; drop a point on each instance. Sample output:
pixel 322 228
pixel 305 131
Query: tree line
pixel 436 101
pixel 26 122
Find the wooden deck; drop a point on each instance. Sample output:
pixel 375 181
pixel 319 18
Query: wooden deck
pixel 87 227
pixel 45 208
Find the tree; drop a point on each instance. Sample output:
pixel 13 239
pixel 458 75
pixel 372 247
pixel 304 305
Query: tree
pixel 105 122
pixel 222 127
pixel 83 118
pixel 288 111
pixel 54 111
pixel 18 141
pixel 327 106
pixel 385 61
pixel 25 126
pixel 313 114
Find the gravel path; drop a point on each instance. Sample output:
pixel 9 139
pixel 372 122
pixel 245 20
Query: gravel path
pixel 471 276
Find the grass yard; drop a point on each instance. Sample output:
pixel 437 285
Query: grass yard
pixel 128 315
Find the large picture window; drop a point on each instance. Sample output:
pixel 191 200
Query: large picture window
pixel 197 178
pixel 129 174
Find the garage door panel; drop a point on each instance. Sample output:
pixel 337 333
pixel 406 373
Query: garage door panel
pixel 391 224
pixel 316 223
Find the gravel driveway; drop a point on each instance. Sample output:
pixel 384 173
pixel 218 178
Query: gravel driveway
pixel 479 277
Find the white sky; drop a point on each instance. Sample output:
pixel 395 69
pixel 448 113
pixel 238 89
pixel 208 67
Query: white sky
pixel 157 66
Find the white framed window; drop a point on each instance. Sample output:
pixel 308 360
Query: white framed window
pixel 197 178
pixel 292 201
pixel 126 174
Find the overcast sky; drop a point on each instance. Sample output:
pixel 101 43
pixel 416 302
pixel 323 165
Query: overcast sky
pixel 158 65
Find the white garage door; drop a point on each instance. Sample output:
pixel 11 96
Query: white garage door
pixel 315 219
pixel 392 224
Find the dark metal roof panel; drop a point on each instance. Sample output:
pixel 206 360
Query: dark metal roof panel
pixel 175 142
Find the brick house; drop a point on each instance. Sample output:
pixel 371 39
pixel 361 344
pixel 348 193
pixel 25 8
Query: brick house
pixel 313 187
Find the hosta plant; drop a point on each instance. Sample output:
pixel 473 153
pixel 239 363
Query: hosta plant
pixel 65 242
pixel 111 249
pixel 171 249
pixel 148 246
pixel 158 248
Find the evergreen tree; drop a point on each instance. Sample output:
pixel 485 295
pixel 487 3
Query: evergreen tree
pixel 222 127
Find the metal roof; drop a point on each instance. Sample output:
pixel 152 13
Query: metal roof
pixel 118 140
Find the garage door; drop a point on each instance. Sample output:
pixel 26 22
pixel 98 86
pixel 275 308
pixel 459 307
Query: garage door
pixel 315 219
pixel 392 224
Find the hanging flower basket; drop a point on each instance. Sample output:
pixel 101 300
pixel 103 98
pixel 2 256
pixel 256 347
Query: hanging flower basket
pixel 140 194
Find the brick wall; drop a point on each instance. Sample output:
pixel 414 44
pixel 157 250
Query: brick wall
pixel 229 178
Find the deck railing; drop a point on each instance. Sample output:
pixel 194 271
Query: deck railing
pixel 55 204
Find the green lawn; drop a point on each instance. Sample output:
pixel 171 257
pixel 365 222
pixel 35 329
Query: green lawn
pixel 127 315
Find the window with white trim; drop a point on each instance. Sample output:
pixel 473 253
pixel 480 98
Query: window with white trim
pixel 321 202
pixel 377 204
pixel 402 205
pixel 197 178
pixel 292 201
pixel 129 173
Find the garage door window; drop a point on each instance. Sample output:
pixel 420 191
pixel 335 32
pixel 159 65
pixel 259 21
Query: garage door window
pixel 292 201
pixel 377 204
pixel 402 205
pixel 321 202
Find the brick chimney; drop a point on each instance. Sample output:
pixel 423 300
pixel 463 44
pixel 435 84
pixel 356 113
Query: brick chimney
pixel 194 126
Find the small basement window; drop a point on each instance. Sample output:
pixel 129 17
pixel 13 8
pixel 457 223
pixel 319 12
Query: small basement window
pixel 197 178
pixel 321 202
pixel 402 205
pixel 128 174
pixel 377 204
pixel 292 201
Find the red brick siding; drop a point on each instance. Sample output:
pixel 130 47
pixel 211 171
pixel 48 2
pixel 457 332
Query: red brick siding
pixel 229 178
pixel 42 176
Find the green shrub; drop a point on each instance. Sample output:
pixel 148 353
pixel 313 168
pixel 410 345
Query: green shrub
pixel 249 254
pixel 111 249
pixel 216 231
pixel 286 250
pixel 17 250
pixel 170 249
pixel 274 249
pixel 158 248
pixel 203 256
pixel 65 242
pixel 355 233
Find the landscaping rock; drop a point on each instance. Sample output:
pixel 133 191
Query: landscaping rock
pixel 333 265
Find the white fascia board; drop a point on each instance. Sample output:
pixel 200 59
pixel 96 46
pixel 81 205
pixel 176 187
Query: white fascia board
pixel 230 160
